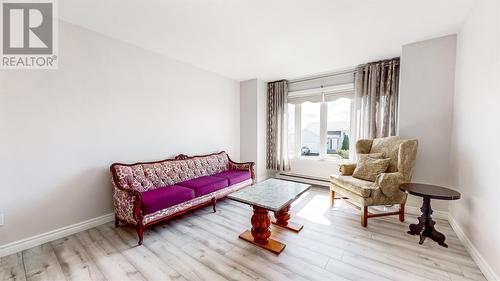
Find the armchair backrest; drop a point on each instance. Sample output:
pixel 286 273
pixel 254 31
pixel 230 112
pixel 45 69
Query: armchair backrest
pixel 402 152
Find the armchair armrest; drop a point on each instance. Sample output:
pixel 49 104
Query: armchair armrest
pixel 389 183
pixel 347 169
pixel 247 166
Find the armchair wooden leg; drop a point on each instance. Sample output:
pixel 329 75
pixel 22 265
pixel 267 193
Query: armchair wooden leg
pixel 402 212
pixel 140 232
pixel 117 222
pixel 332 196
pixel 364 216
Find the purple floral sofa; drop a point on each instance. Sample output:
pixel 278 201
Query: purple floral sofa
pixel 149 192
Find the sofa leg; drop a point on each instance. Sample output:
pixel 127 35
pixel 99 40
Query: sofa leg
pixel 402 212
pixel 332 197
pixel 117 222
pixel 140 232
pixel 214 202
pixel 364 216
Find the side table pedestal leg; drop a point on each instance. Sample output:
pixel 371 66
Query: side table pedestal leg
pixel 425 227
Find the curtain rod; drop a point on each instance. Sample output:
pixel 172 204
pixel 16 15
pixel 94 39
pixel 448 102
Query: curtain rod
pixel 323 75
pixel 281 80
pixel 395 60
pixel 352 69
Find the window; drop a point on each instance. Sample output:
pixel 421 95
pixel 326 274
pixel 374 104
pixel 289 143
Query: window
pixel 319 125
pixel 338 128
pixel 310 129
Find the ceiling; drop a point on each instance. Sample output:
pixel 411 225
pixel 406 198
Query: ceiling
pixel 269 39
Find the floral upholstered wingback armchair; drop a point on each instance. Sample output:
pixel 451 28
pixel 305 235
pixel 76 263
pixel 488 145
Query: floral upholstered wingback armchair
pixel 384 190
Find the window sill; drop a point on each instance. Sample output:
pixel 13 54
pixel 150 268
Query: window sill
pixel 324 159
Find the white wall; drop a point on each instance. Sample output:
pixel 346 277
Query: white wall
pixel 475 137
pixel 262 172
pixel 108 101
pixel 426 90
pixel 253 106
pixel 248 120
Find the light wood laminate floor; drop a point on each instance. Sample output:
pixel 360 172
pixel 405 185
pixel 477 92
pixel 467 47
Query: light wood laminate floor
pixel 203 245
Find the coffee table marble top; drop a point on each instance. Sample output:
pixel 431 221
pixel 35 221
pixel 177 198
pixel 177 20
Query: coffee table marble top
pixel 271 194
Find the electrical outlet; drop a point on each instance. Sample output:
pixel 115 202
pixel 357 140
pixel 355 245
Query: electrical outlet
pixel 1 219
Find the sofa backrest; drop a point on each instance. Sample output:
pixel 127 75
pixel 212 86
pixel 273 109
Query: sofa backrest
pixel 151 175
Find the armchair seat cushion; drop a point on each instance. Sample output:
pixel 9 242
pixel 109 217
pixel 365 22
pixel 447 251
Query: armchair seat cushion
pixel 360 187
pixel 205 185
pixel 165 197
pixel 234 176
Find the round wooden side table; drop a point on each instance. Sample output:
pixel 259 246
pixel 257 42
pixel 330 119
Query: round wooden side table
pixel 425 227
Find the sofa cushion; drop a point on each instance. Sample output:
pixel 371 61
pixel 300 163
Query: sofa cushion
pixel 205 185
pixel 164 197
pixel 360 187
pixel 234 176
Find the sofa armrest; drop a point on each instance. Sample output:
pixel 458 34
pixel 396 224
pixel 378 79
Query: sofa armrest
pixel 127 202
pixel 347 169
pixel 247 166
pixel 389 183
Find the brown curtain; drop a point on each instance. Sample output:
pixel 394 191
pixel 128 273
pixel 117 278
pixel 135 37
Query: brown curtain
pixel 277 155
pixel 376 98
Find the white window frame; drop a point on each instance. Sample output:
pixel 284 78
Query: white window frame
pixel 323 128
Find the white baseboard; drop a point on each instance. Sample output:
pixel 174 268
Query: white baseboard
pixel 485 268
pixel 302 180
pixel 442 215
pixel 40 239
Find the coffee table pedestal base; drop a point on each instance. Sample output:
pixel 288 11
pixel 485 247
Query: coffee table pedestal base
pixel 260 233
pixel 271 245
pixel 282 218
pixel 425 227
pixel 290 226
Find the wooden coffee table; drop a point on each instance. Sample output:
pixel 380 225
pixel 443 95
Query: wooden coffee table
pixel 425 227
pixel 271 195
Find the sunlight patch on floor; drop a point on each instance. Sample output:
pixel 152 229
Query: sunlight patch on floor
pixel 301 198
pixel 315 208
